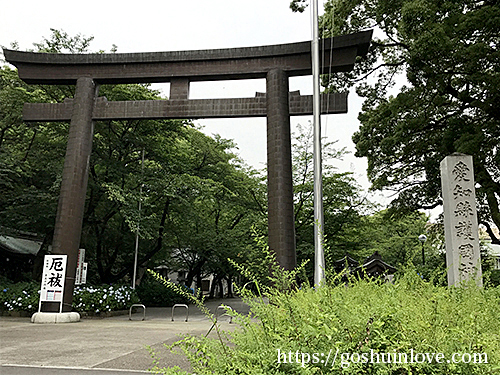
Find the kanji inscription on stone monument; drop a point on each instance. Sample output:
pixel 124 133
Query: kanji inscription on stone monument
pixel 460 219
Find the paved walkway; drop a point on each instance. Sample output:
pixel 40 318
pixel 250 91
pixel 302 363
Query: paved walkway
pixel 108 343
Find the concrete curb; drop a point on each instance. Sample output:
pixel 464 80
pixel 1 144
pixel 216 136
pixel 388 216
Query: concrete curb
pixel 53 318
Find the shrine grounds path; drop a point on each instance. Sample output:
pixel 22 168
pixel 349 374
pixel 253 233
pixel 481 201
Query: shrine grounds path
pixel 106 346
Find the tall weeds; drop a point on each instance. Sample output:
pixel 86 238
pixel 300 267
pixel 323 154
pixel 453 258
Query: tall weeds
pixel 363 318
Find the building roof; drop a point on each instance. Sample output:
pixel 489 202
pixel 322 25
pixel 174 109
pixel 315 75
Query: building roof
pixel 493 249
pixel 348 261
pixel 374 266
pixel 18 245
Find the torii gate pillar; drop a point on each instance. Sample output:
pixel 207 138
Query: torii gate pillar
pixel 70 209
pixel 281 226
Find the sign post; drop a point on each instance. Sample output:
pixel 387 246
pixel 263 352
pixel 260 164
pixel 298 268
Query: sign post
pixel 52 291
pixel 79 267
pixel 84 274
pixel 54 273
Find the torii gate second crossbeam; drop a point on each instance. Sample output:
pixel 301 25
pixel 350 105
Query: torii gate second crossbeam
pixel 275 63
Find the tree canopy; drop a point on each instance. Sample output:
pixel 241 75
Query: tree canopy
pixel 444 56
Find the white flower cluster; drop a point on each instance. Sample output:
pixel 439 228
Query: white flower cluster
pixel 21 302
pixel 102 299
pixel 85 298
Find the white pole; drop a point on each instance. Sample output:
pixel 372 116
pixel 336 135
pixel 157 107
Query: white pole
pixel 138 224
pixel 319 257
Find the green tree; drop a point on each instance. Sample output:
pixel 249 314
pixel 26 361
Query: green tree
pixel 111 216
pixel 214 211
pixel 30 160
pixel 446 55
pixel 395 238
pixel 192 185
pixel 344 204
pixel 31 155
pixel 353 224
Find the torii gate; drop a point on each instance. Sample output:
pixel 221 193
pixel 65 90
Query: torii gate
pixel 275 63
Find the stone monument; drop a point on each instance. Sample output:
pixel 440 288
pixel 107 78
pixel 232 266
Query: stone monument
pixel 463 260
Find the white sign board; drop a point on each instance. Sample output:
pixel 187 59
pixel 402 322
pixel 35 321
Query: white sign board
pixel 79 267
pixel 54 273
pixel 84 274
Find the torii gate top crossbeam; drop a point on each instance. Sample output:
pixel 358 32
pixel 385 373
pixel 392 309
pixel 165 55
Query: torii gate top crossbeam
pixel 338 54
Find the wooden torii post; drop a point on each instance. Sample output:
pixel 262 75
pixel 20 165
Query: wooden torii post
pixel 275 63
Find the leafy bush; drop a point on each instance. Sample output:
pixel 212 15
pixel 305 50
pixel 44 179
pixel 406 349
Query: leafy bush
pixel 366 317
pixel 494 278
pixel 25 297
pixel 103 298
pixel 22 296
pixel 154 294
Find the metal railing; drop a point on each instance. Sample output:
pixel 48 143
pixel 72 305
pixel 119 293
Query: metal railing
pixel 137 305
pixel 225 308
pixel 180 305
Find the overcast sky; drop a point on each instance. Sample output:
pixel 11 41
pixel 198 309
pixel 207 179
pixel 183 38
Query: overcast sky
pixel 148 26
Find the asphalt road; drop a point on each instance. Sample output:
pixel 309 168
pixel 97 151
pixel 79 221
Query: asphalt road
pixel 36 370
pixel 106 346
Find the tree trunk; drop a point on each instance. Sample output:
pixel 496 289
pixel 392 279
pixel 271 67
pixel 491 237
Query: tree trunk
pixel 229 280
pixel 492 190
pixel 212 287
pixel 140 274
pixel 129 268
pixel 189 278
pixel 221 288
pixel 198 282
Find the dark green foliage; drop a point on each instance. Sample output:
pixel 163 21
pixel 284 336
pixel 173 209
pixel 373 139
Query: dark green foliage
pixel 103 298
pixel 154 294
pixel 444 59
pixel 19 296
pixel 495 278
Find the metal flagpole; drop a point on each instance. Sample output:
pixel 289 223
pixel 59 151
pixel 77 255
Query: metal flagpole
pixel 319 257
pixel 138 224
